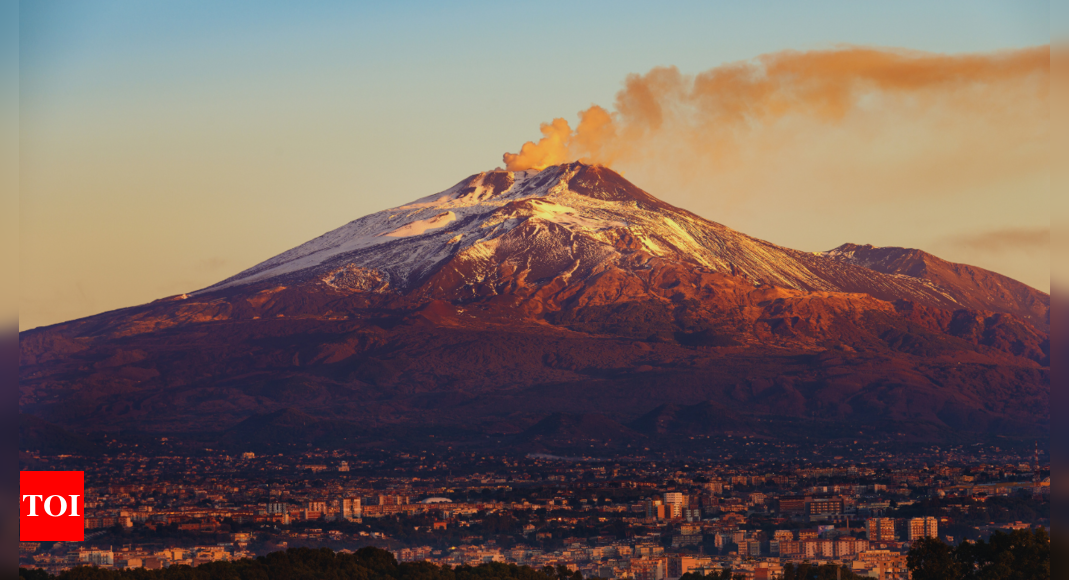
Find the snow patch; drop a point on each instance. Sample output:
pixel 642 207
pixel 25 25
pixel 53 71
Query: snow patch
pixel 420 227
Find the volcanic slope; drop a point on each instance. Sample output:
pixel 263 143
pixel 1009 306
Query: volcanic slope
pixel 512 297
pixel 568 221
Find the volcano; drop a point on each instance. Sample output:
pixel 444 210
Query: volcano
pixel 562 300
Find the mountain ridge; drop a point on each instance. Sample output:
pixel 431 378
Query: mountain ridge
pixel 970 286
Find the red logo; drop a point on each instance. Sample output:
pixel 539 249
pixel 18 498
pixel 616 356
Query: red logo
pixel 51 506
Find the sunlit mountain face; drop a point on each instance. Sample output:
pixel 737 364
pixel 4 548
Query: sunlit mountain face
pixel 544 309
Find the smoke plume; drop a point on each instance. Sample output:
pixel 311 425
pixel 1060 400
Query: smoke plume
pixel 711 119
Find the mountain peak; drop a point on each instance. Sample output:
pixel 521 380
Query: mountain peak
pixel 408 242
pixel 498 230
pixel 890 260
pixel 967 286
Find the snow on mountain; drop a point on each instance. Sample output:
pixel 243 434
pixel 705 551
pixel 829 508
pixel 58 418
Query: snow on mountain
pixel 553 223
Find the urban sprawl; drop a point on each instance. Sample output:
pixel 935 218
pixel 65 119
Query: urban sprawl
pixel 635 518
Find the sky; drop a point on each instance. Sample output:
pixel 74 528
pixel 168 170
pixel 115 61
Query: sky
pixel 165 146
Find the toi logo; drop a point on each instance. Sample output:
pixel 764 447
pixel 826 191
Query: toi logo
pixel 51 505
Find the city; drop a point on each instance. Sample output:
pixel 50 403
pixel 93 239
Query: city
pixel 642 519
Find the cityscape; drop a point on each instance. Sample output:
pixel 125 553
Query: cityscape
pixel 642 519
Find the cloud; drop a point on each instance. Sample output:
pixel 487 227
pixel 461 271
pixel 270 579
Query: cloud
pixel 1002 240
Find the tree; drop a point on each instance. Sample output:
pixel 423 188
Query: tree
pixel 931 559
pixel 1019 555
pixel 807 571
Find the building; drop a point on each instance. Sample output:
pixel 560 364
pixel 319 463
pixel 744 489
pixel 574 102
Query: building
pixel 96 557
pixel 723 539
pixel 685 540
pixel 656 510
pixel 768 571
pixel 674 503
pixel 351 508
pixel 783 535
pixel 385 500
pixel 792 504
pixel 680 565
pixel 849 546
pixel 648 568
pixel 826 548
pixel 881 529
pixel 751 547
pixel 881 564
pixel 810 548
pixel 823 507
pixel 923 528
pixel 790 547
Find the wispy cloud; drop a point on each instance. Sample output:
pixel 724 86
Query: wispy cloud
pixel 1002 240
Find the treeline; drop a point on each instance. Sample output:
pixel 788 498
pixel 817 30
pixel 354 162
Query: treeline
pixel 1018 555
pixel 805 571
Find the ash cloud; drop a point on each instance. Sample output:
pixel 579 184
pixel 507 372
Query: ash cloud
pixel 704 120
